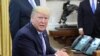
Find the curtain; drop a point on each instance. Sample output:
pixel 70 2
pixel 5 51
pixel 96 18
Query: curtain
pixel 5 38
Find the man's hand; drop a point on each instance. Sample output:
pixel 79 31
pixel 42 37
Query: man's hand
pixel 61 53
pixel 81 32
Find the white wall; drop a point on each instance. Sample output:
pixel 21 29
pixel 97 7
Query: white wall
pixel 56 11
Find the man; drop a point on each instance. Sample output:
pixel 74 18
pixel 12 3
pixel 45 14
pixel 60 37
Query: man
pixel 32 39
pixel 19 13
pixel 89 18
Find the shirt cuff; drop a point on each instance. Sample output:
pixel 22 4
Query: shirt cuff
pixel 55 54
pixel 80 29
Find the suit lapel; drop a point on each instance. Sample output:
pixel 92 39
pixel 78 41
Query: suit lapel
pixel 28 4
pixel 98 3
pixel 89 6
pixel 35 34
pixel 90 9
pixel 45 37
pixel 37 2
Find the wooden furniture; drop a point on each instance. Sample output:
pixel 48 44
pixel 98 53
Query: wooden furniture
pixel 79 55
pixel 72 53
pixel 64 35
pixel 96 53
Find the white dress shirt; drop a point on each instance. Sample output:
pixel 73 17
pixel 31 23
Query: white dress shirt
pixel 32 2
pixel 95 2
pixel 42 3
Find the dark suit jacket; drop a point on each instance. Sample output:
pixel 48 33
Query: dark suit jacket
pixel 28 43
pixel 87 19
pixel 19 11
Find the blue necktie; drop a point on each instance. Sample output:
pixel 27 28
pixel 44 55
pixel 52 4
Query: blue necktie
pixel 43 44
pixel 93 6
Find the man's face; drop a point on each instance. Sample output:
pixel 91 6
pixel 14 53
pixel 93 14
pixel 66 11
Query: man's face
pixel 40 21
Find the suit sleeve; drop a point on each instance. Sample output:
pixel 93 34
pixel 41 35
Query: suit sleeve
pixel 24 46
pixel 80 16
pixel 14 14
pixel 51 52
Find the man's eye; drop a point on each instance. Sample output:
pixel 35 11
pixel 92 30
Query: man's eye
pixel 46 18
pixel 40 17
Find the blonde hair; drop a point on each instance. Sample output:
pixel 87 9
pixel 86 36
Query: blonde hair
pixel 41 9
